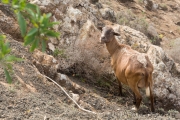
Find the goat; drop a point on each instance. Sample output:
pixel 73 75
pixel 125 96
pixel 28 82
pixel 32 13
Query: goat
pixel 130 67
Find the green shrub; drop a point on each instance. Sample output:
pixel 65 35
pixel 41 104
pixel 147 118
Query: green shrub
pixel 40 26
pixel 35 34
pixel 59 53
pixel 6 59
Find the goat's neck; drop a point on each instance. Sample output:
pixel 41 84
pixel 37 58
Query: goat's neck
pixel 112 46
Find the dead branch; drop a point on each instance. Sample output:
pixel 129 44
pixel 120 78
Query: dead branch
pixel 69 95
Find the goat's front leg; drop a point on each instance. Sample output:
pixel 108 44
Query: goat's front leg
pixel 120 88
pixel 134 101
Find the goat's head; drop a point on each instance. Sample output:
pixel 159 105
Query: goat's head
pixel 107 34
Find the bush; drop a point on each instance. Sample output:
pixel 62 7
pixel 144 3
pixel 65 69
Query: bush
pixel 40 26
pixel 37 33
pixel 6 59
pixel 174 49
pixel 128 18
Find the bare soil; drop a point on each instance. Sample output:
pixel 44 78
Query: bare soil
pixel 32 97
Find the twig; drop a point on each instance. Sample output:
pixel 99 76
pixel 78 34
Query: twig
pixel 69 96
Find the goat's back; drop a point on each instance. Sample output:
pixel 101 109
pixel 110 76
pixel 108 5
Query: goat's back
pixel 128 63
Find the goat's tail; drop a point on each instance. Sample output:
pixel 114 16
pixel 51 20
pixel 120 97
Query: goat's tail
pixel 148 85
pixel 148 91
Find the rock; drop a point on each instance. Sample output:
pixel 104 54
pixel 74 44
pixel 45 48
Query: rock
pixel 123 1
pixel 54 41
pixel 8 23
pixel 177 116
pixel 93 1
pixel 172 96
pixel 46 64
pixel 150 5
pixel 63 77
pixel 178 23
pixel 75 97
pixel 64 81
pixel 73 16
pixel 163 7
pixel 108 14
pixel 173 5
pixel 89 50
pixel 51 47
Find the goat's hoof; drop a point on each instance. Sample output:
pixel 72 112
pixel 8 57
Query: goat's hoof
pixel 121 95
pixel 152 110
pixel 134 109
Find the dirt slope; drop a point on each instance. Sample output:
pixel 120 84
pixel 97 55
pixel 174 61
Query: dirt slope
pixel 33 97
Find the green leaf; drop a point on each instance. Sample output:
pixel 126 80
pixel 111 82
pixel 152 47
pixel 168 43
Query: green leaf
pixel 29 39
pixel 48 15
pixel 5 1
pixel 11 58
pixel 43 45
pixel 8 77
pixel 38 11
pixel 9 66
pixel 31 6
pixel 32 31
pixel 2 37
pixel 34 45
pixel 52 33
pixel 22 5
pixel 15 2
pixel 22 23
pixel 5 48
pixel 32 14
pixel 45 21
pixel 50 24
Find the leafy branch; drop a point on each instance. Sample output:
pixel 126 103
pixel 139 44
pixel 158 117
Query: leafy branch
pixel 35 29
pixel 41 26
pixel 6 59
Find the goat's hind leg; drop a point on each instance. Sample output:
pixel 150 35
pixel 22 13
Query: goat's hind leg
pixel 152 99
pixel 138 97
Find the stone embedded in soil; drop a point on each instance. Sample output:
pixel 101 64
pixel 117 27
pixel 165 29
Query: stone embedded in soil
pixel 75 97
pixel 177 116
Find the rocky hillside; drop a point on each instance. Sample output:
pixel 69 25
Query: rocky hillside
pixel 150 27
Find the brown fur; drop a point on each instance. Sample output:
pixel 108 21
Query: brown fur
pixel 130 67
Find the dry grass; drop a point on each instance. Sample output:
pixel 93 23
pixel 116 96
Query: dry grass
pixel 128 18
pixel 174 50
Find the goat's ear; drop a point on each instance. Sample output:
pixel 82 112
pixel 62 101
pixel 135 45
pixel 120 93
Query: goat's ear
pixel 116 34
pixel 100 28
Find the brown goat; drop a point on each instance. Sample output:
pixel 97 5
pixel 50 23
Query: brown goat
pixel 130 67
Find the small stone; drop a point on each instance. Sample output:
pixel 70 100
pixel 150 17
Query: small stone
pixel 9 107
pixel 177 116
pixel 93 1
pixel 63 77
pixel 54 41
pixel 51 46
pixel 75 97
pixel 134 109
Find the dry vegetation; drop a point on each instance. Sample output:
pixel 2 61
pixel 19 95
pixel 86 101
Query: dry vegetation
pixel 128 18
pixel 174 49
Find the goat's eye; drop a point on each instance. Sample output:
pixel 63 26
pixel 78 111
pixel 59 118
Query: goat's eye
pixel 112 32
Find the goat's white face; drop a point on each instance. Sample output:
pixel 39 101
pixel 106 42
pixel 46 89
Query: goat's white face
pixel 107 34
